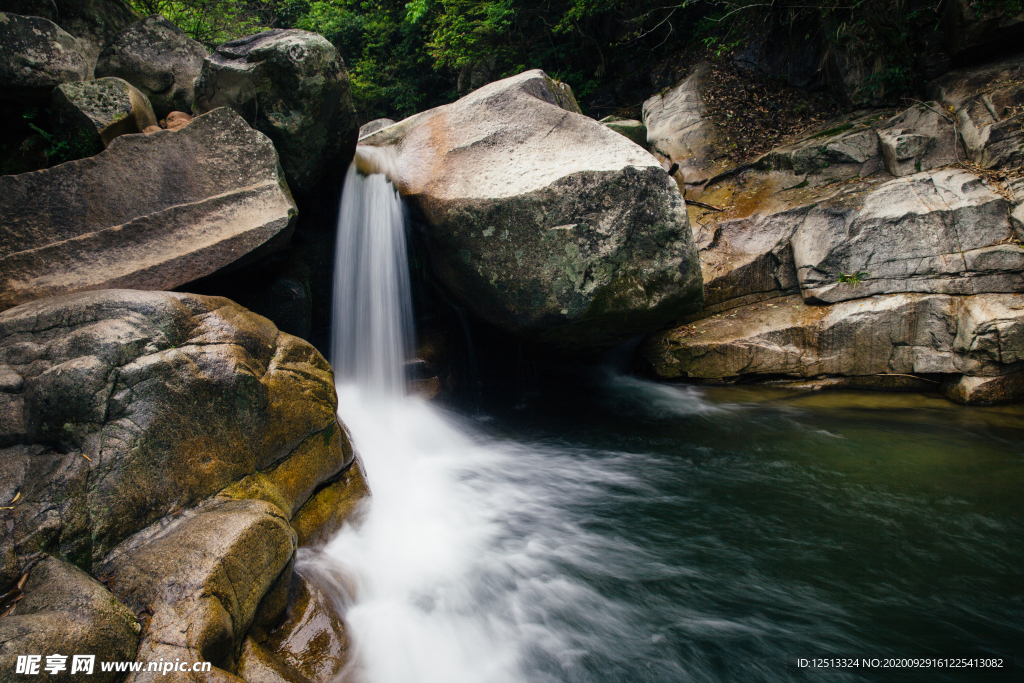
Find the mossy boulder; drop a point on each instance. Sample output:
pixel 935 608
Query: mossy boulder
pixel 90 114
pixel 36 56
pixel 159 59
pixel 543 222
pixel 292 86
pixel 93 22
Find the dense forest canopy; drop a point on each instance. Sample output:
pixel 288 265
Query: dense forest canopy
pixel 405 56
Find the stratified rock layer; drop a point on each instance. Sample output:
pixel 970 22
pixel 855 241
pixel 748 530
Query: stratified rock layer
pixel 150 212
pixel 543 222
pixel 911 260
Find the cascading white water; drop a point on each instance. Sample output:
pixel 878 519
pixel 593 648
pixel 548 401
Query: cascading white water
pixel 372 321
pixel 639 532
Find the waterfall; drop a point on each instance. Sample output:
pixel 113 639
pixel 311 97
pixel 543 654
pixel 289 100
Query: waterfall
pixel 372 315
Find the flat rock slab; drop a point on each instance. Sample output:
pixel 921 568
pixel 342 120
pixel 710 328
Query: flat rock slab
pixel 149 212
pixel 897 334
pixel 543 222
pixel 942 231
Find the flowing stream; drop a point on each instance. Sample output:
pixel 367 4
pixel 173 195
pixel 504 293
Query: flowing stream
pixel 615 530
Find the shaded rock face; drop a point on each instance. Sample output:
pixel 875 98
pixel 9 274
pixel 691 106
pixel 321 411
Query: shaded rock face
pixel 989 106
pixel 164 442
pixel 543 222
pixel 159 59
pixel 150 212
pixel 93 22
pixel 851 219
pixel 292 86
pixel 633 130
pixel 974 31
pixel 36 56
pixel 679 130
pixel 67 611
pixel 93 113
pixel 980 337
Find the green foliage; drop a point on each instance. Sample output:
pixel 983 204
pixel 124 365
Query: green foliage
pixel 212 22
pixel 854 278
pixel 404 56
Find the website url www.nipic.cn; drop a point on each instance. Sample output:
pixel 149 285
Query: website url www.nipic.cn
pixel 38 665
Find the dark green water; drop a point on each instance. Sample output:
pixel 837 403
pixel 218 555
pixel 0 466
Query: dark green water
pixel 714 535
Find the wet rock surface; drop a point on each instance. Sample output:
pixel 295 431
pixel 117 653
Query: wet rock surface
pixel 133 405
pixel 150 212
pixel 165 442
pixel 159 59
pixel 64 610
pixel 543 222
pixel 292 86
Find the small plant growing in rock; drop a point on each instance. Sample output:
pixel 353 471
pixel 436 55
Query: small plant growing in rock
pixel 854 278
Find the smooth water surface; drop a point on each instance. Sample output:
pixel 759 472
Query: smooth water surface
pixel 629 531
pixel 606 529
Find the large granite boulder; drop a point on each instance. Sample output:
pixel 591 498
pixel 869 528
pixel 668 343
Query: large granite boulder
pixel 292 86
pixel 543 222
pixel 149 212
pixel 159 59
pixel 93 22
pixel 164 442
pixel 893 341
pixel 64 610
pixel 90 114
pixel 36 56
pixel 680 131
